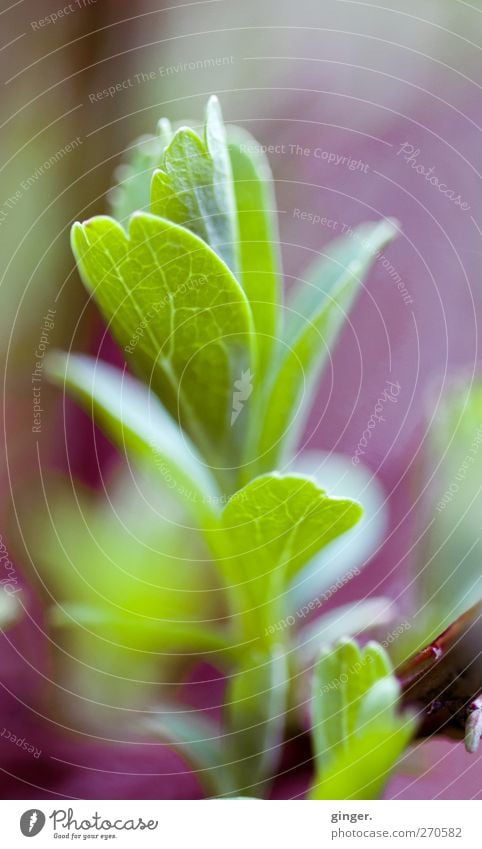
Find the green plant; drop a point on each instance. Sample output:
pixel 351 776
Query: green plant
pixel 191 290
pixel 358 732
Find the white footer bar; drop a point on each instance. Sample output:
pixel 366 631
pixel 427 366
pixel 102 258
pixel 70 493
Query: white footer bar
pixel 249 824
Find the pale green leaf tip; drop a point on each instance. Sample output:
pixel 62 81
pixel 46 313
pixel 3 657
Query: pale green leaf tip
pixel 55 364
pixel 157 174
pixel 392 226
pixel 76 236
pixel 345 642
pixel 139 215
pixel 348 650
pixel 164 130
pixel 10 609
pixel 381 698
pixel 394 222
pixel 179 134
pixel 214 123
pixel 214 106
pixel 138 218
pixel 77 227
pixel 382 655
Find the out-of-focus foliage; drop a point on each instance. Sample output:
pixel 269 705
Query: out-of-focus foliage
pixel 448 554
pixel 358 732
pixel 9 608
pixel 195 336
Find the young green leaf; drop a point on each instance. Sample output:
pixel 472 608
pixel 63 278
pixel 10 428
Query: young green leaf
pixel 272 527
pixel 345 557
pixel 179 314
pixel 259 261
pixel 362 771
pixel 355 713
pixel 317 312
pixel 137 423
pixel 194 186
pixel 343 676
pixel 255 714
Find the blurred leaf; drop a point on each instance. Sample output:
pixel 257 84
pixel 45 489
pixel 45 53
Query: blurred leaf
pixel 132 577
pixel 343 676
pixel 177 311
pixel 272 527
pixel 260 262
pixel 363 771
pixel 316 314
pixel 137 423
pixel 200 744
pixel 345 557
pixel 125 554
pixel 194 186
pixel 357 731
pixel 341 266
pixel 179 636
pixel 255 713
pixel 9 609
pixel 449 554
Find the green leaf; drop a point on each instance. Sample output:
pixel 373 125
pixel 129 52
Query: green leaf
pixel 317 313
pixel 357 731
pixel 114 625
pixel 260 262
pixel 255 713
pixel 133 581
pixel 197 740
pixel 180 315
pixel 272 527
pixel 343 558
pixel 343 676
pixel 194 186
pixel 362 771
pixel 138 424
